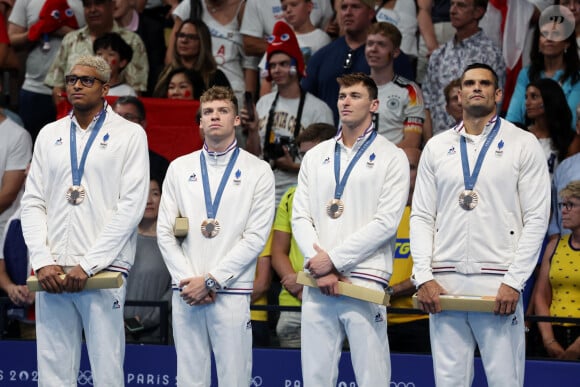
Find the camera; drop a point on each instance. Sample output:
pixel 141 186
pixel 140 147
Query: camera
pixel 275 150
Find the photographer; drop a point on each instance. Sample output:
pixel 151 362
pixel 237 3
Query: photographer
pixel 280 116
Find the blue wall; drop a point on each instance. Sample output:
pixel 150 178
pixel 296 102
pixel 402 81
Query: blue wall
pixel 152 365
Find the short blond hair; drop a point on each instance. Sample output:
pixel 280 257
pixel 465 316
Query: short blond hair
pixel 96 62
pixel 219 93
pixel 571 190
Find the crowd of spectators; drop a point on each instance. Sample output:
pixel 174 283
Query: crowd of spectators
pixel 414 50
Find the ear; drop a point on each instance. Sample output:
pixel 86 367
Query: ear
pixel 479 12
pixel 237 121
pixel 374 106
pixel 498 96
pixel 122 64
pixel 396 52
pixel 105 90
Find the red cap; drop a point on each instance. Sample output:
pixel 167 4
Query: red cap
pixel 284 40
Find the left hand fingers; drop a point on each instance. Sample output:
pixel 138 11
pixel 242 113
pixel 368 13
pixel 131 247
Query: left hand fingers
pixel 504 307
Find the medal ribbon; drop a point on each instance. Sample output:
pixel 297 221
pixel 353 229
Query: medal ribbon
pixel 340 184
pixel 212 208
pixel 470 179
pixel 78 170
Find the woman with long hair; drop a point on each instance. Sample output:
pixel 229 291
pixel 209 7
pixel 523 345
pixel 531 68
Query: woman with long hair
pixel 554 55
pixel 549 119
pixel 193 51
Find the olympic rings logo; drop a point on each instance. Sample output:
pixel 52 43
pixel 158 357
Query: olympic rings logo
pixel 256 381
pixel 402 384
pixel 85 378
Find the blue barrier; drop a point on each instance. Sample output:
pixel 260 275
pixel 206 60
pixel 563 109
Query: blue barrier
pixel 155 365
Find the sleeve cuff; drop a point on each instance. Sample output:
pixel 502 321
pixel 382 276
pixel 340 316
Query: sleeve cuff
pixel 419 279
pixel 512 282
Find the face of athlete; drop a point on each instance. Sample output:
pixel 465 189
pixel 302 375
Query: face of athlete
pixel 180 87
pixel 152 208
pixel 279 68
pixel 355 105
pixel 218 121
pixel 380 51
pixel 534 103
pixel 478 95
pixel 86 98
pixel 570 217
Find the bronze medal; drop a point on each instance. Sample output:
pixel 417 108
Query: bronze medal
pixel 210 228
pixel 468 200
pixel 334 208
pixel 75 194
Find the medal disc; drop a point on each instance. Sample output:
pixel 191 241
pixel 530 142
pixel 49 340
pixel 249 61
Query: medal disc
pixel 334 208
pixel 468 200
pixel 210 228
pixel 75 194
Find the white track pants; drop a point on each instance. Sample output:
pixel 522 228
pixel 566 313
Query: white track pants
pixel 223 327
pixel 60 319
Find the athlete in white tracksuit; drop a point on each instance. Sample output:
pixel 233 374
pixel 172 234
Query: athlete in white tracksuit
pixel 490 250
pixel 358 245
pixel 213 277
pixel 100 233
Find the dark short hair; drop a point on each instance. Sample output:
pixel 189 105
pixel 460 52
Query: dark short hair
pixel 116 43
pixel 132 100
pixel 484 66
pixel 318 132
pixel 348 80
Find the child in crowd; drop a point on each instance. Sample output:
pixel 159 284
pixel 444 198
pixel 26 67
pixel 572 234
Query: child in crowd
pixel 118 55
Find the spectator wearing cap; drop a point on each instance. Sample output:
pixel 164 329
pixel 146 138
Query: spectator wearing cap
pixel 280 116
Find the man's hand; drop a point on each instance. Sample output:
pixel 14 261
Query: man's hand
pixel 328 284
pixel 506 300
pixel 194 292
pixel 75 280
pixel 289 283
pixel 320 265
pixel 428 296
pixel 49 278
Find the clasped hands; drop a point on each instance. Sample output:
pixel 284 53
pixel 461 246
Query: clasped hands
pixel 73 282
pixel 195 293
pixel 323 270
pixel 506 299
